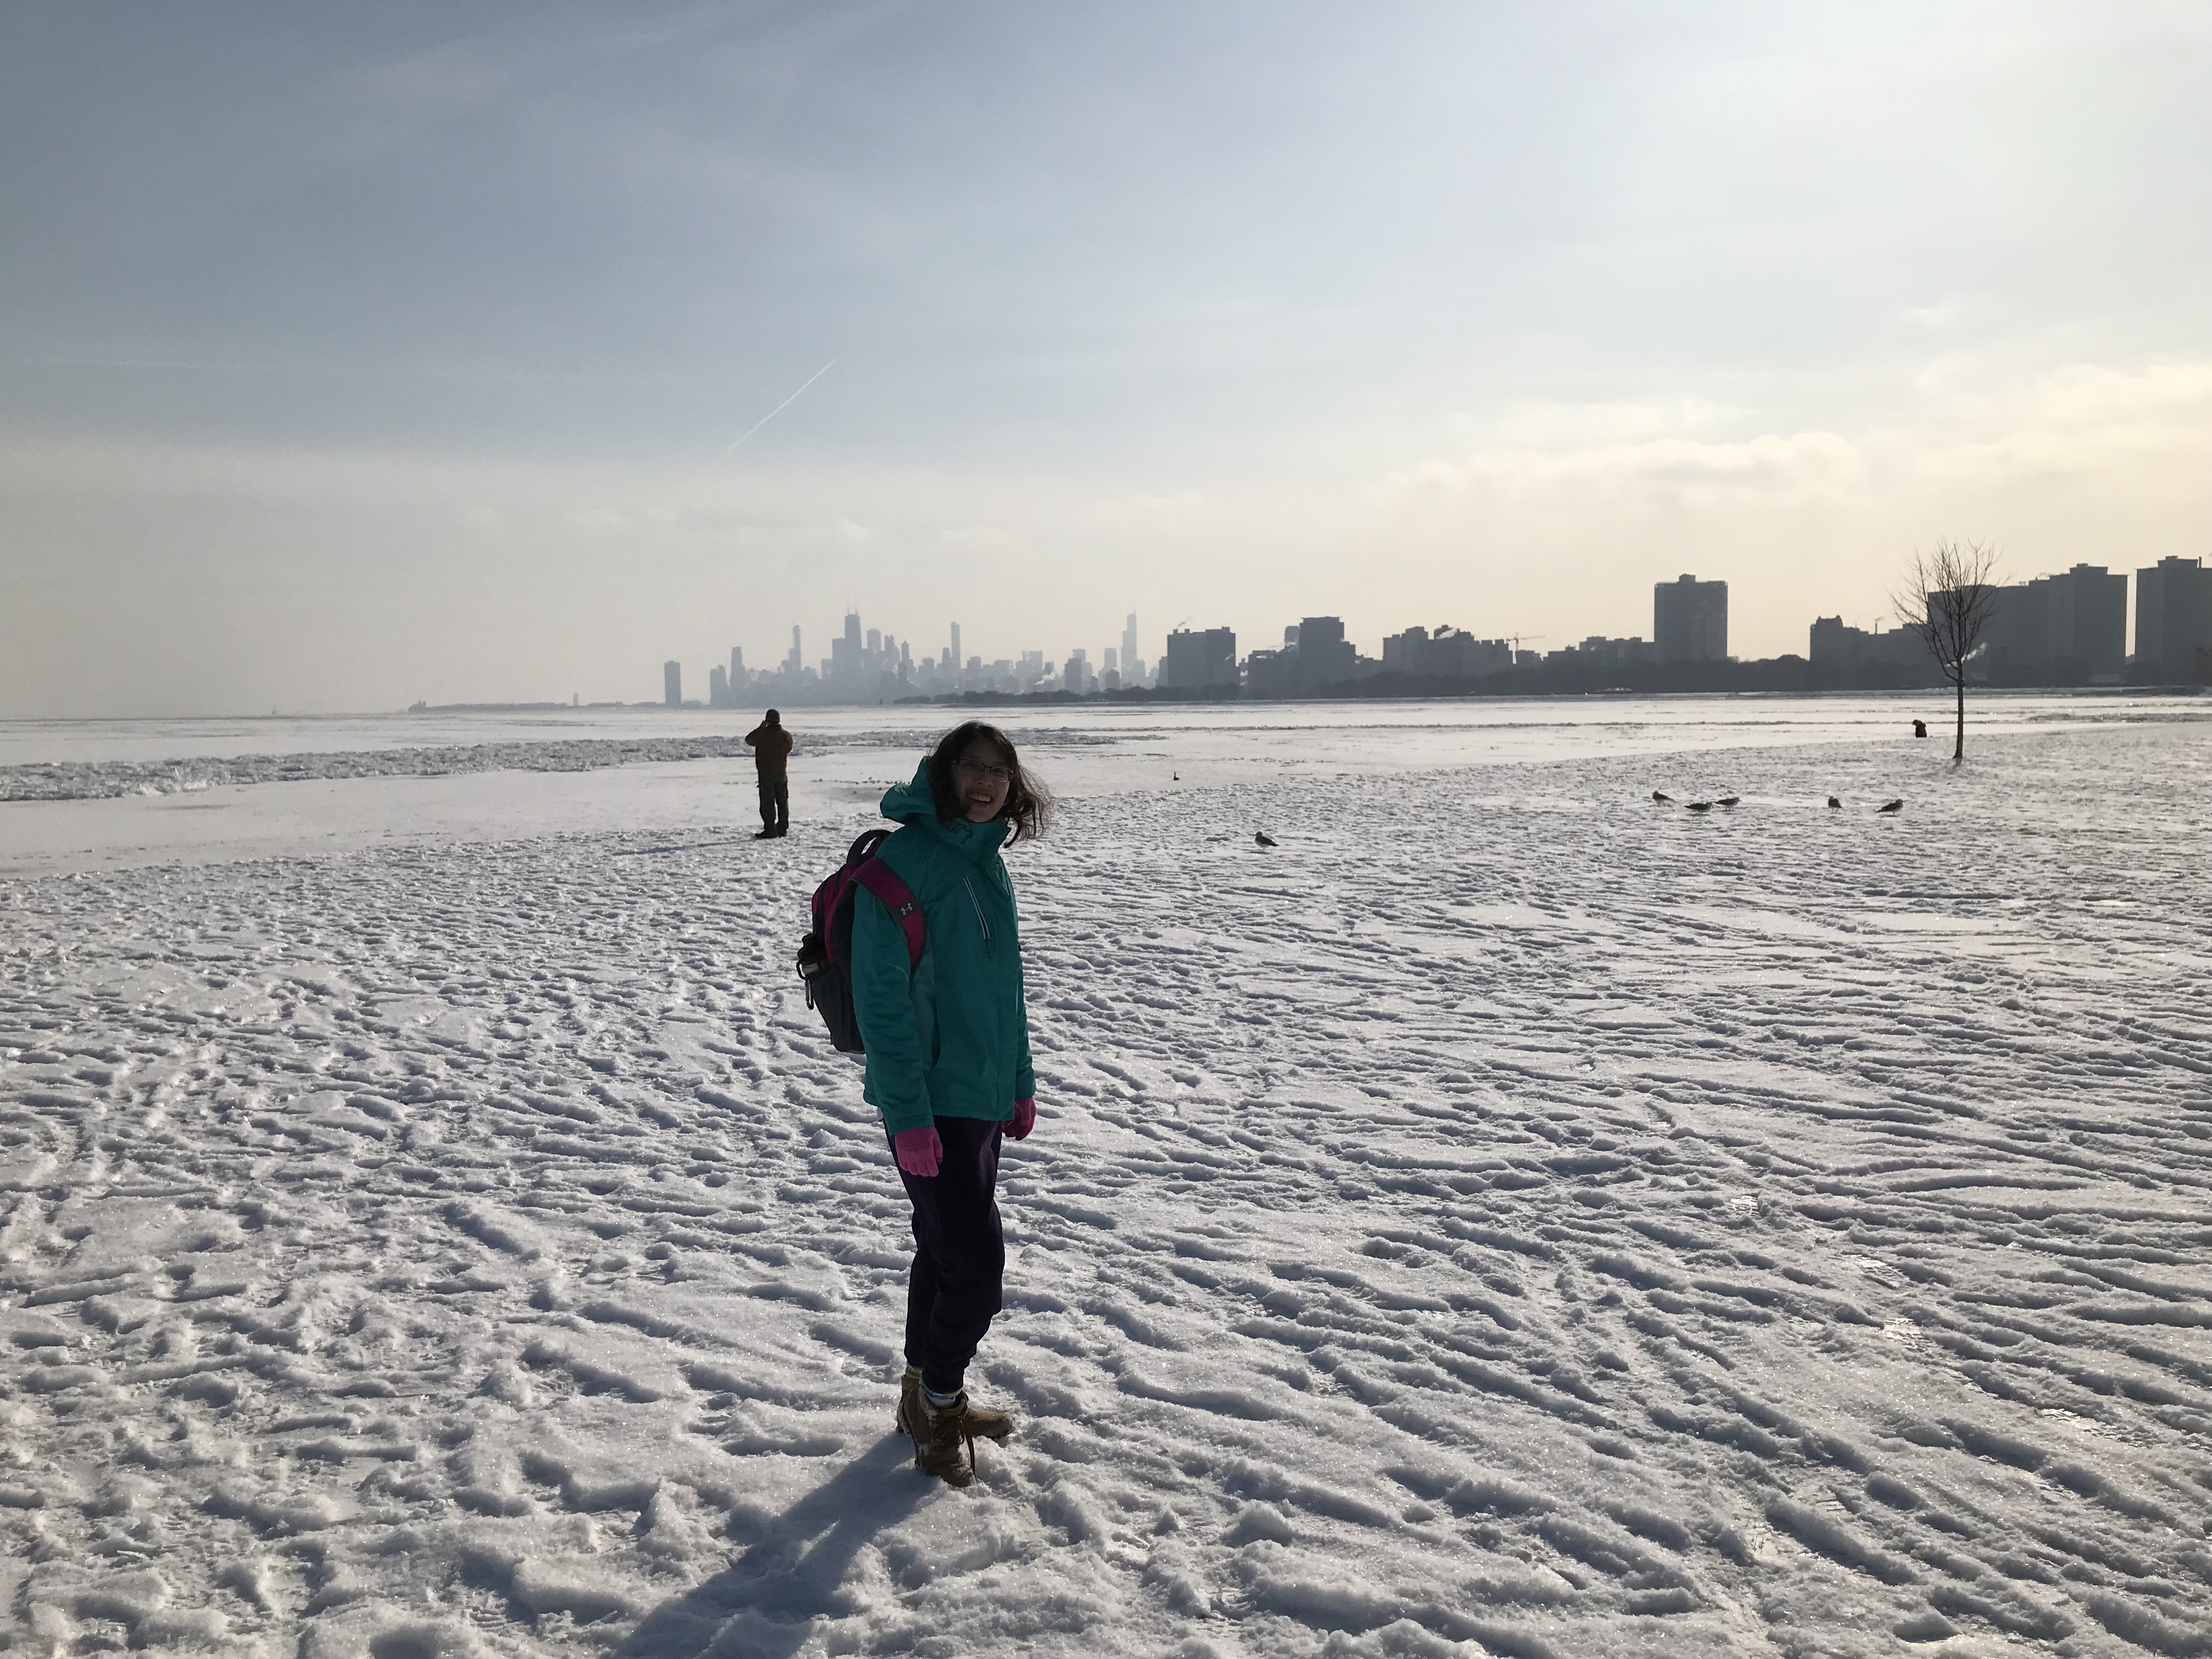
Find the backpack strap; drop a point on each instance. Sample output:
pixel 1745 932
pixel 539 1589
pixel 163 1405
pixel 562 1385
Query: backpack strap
pixel 877 877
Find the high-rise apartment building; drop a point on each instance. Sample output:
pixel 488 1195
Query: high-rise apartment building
pixel 2173 621
pixel 2089 622
pixel 2068 629
pixel 1840 651
pixel 671 684
pixel 1324 656
pixel 1197 659
pixel 1689 620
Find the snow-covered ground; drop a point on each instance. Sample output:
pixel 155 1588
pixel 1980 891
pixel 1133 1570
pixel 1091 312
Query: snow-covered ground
pixel 1510 1216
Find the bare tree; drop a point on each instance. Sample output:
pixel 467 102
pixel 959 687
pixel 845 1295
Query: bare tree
pixel 1947 598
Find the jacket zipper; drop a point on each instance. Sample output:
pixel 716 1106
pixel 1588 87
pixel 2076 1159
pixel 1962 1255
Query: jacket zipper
pixel 979 920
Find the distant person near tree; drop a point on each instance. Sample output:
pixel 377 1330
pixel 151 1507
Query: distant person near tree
pixel 771 749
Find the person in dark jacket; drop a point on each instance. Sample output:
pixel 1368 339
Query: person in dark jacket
pixel 771 750
pixel 948 1064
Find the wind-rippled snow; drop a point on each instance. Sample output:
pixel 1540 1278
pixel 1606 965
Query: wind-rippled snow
pixel 1510 1216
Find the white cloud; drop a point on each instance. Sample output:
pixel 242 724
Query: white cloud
pixel 1795 468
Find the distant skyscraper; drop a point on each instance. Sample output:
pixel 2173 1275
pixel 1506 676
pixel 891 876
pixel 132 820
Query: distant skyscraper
pixel 1129 663
pixel 2069 629
pixel 797 663
pixel 1689 620
pixel 1448 654
pixel 718 687
pixel 1837 650
pixel 1196 659
pixel 737 667
pixel 956 658
pixel 1324 656
pixel 2173 621
pixel 671 684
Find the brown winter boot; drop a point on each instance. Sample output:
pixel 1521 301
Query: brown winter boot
pixel 987 1424
pixel 982 1423
pixel 943 1446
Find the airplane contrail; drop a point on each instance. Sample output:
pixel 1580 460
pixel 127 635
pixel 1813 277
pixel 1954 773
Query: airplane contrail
pixel 730 449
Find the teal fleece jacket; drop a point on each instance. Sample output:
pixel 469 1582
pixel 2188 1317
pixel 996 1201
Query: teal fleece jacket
pixel 952 1038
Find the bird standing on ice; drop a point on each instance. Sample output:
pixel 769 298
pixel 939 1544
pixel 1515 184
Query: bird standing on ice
pixel 1260 837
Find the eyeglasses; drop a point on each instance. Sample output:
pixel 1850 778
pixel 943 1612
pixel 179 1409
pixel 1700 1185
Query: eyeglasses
pixel 983 770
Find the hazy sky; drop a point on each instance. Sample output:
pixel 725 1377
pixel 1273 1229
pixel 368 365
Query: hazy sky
pixel 355 355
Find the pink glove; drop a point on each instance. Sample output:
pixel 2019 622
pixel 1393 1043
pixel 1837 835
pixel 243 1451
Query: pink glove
pixel 920 1152
pixel 1024 1118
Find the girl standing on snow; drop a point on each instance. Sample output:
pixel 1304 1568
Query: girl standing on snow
pixel 948 1047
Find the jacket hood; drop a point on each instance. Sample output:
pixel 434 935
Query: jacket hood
pixel 911 803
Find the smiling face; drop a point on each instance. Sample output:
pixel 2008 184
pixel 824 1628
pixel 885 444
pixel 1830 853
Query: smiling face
pixel 980 778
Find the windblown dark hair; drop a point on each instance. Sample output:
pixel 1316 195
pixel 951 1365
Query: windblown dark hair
pixel 1029 803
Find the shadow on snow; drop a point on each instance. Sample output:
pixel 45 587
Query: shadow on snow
pixel 763 1605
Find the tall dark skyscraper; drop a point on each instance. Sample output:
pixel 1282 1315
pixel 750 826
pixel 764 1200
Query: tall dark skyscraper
pixel 671 684
pixel 2173 621
pixel 1323 655
pixel 1196 659
pixel 2068 629
pixel 1689 620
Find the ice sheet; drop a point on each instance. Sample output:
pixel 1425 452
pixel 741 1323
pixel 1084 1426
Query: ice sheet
pixel 209 790
pixel 1510 1216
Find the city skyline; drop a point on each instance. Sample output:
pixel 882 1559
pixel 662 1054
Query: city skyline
pixel 2075 627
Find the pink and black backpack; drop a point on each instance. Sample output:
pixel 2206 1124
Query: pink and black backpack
pixel 825 955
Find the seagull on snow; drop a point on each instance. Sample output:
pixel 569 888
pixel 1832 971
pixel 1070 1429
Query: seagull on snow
pixel 1892 806
pixel 1260 836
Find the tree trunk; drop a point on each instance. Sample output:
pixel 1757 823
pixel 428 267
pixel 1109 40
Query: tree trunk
pixel 1958 746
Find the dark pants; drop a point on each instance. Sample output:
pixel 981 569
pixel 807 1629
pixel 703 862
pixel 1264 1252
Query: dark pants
pixel 775 802
pixel 959 1253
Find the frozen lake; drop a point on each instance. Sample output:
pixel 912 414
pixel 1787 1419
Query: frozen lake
pixel 133 792
pixel 1509 1217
